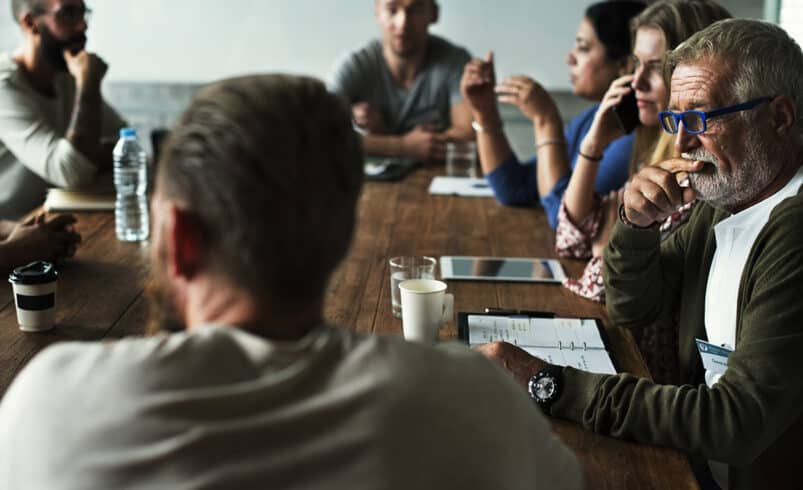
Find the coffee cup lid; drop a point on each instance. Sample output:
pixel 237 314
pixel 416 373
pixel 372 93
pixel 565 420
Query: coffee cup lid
pixel 39 272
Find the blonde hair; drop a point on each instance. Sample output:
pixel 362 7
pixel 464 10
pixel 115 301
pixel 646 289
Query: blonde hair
pixel 677 20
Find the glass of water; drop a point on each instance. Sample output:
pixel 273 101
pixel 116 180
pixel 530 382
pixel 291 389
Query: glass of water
pixel 403 268
pixel 461 159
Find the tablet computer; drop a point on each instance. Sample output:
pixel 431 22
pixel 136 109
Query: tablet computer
pixel 518 269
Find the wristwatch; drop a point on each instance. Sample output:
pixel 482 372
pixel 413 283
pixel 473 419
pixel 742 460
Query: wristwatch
pixel 546 386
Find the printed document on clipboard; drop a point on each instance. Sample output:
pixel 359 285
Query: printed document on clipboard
pixel 576 342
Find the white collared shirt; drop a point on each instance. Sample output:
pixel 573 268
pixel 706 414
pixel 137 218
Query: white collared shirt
pixel 735 236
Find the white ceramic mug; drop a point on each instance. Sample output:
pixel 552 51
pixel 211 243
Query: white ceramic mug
pixel 425 306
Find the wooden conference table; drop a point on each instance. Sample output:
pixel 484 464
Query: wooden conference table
pixel 101 296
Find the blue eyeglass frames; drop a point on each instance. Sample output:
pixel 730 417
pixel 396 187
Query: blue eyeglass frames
pixel 695 122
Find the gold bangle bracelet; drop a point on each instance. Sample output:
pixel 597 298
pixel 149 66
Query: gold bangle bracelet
pixel 549 142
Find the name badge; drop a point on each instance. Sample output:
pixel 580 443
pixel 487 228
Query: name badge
pixel 714 357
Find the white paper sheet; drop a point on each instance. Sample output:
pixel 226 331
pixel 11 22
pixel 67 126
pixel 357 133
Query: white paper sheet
pixel 460 186
pixel 562 341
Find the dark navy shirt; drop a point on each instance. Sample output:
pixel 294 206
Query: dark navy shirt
pixel 516 184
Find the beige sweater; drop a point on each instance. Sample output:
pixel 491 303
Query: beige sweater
pixel 221 408
pixel 34 153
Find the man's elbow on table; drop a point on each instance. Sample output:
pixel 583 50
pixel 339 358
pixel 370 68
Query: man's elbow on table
pixel 66 167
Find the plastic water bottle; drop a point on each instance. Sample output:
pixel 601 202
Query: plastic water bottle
pixel 131 183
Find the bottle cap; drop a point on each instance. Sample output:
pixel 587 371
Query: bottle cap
pixel 128 133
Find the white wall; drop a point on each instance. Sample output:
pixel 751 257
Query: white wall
pixel 202 40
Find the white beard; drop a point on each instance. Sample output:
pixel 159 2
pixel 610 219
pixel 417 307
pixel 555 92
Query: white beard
pixel 744 182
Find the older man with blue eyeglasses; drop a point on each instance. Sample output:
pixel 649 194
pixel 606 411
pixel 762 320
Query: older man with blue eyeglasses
pixel 731 278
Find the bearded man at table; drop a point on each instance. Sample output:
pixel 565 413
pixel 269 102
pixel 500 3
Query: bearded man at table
pixel 246 385
pixel 56 130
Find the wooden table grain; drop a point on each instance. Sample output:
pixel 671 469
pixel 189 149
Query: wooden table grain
pixel 101 296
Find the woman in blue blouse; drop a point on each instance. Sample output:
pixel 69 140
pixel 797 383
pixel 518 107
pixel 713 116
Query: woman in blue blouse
pixel 599 56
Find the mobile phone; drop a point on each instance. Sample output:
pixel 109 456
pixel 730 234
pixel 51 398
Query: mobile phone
pixel 627 112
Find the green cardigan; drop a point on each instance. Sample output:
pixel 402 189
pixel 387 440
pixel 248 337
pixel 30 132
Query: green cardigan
pixel 752 419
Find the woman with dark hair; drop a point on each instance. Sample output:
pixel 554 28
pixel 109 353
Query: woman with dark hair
pixel 601 54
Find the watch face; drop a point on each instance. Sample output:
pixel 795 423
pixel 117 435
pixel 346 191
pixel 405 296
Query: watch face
pixel 544 388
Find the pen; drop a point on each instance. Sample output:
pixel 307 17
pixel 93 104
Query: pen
pixel 508 311
pixel 480 185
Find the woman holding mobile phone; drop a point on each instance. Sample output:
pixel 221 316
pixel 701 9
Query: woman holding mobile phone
pixel 586 216
pixel 600 55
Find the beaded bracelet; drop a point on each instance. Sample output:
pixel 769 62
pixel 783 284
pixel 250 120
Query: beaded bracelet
pixel 589 157
pixel 630 224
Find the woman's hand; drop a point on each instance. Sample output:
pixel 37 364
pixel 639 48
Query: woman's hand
pixel 605 128
pixel 529 96
pixel 477 87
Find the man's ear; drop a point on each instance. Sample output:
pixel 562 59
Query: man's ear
pixel 436 12
pixel 184 243
pixel 784 114
pixel 27 22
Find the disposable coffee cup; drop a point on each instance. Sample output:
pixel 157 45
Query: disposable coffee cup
pixel 35 295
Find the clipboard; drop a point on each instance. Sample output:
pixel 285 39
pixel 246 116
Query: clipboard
pixel 578 342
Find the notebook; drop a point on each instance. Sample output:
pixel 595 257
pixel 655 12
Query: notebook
pixel 96 196
pixel 61 200
pixel 576 342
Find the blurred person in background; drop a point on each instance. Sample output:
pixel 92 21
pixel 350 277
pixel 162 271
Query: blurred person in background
pixel 55 128
pixel 404 89
pixel 601 54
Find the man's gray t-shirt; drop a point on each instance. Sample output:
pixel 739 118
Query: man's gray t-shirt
pixel 364 76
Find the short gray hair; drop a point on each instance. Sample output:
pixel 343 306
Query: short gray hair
pixel 763 59
pixel 271 168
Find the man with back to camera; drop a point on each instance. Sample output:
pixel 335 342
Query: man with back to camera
pixel 404 89
pixel 53 118
pixel 250 388
pixel 732 275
